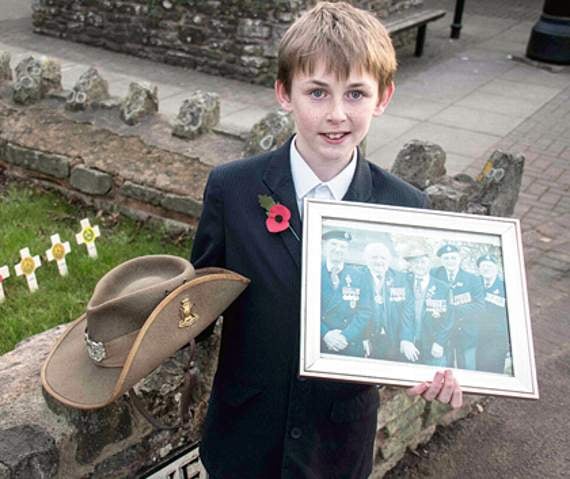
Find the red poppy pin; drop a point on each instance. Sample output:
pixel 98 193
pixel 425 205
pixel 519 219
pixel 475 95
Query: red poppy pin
pixel 278 215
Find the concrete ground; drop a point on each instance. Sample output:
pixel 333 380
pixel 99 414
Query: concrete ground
pixel 471 96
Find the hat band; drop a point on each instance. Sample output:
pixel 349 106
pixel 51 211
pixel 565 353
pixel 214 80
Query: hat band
pixel 111 354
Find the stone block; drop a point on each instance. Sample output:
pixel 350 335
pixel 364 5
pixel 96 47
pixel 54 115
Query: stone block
pixel 90 181
pixel 397 443
pixel 500 183
pixel 420 163
pixel 182 204
pixel 143 193
pixel 141 101
pixel 28 451
pixel 446 198
pixel 198 114
pixel 90 90
pixel 268 133
pixel 393 407
pixel 48 163
pixel 51 76
pixel 405 417
pixel 35 78
pixel 5 69
pixel 250 28
pixel 27 90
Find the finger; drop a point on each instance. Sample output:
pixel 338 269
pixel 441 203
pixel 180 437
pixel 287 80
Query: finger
pixel 449 385
pixel 457 398
pixel 435 387
pixel 417 389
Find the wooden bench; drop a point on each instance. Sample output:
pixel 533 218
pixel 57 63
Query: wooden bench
pixel 413 18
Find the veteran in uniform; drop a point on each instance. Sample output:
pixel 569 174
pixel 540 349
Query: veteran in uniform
pixel 386 293
pixel 494 332
pixel 468 307
pixel 425 338
pixel 343 317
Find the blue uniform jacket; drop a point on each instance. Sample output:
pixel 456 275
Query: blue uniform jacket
pixel 390 310
pixel 341 308
pixel 468 307
pixel 436 318
pixel 262 420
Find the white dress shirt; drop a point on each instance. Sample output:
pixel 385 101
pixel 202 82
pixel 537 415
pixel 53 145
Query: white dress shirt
pixel 308 185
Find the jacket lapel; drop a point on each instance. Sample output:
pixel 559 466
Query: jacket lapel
pixel 360 188
pixel 279 181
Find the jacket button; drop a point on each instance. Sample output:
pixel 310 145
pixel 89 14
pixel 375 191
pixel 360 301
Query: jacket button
pixel 296 433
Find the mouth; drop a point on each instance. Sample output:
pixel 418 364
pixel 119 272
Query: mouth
pixel 336 137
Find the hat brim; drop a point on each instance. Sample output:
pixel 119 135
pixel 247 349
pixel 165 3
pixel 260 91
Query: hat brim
pixel 75 380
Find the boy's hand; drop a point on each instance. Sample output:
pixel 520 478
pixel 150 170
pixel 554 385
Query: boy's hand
pixel 444 388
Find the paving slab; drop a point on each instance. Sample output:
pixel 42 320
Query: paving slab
pixel 477 120
pixel 414 107
pixel 537 76
pixel 452 140
pixel 504 105
pixel 243 120
pixel 521 90
pixel 386 128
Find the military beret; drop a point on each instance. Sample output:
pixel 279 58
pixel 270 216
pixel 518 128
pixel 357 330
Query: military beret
pixel 447 248
pixel 487 257
pixel 337 234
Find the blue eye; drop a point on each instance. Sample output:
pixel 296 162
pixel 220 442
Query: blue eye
pixel 355 94
pixel 317 93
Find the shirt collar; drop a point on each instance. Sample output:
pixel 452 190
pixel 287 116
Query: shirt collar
pixel 305 180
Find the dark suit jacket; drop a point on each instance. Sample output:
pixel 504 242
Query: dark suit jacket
pixel 263 421
pixel 468 306
pixel 436 319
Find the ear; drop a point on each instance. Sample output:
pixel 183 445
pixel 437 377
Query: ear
pixel 282 96
pixel 383 102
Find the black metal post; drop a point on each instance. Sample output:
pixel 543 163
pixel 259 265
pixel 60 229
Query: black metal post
pixel 456 25
pixel 550 37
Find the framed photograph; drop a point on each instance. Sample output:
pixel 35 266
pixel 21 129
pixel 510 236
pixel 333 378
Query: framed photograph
pixel 390 295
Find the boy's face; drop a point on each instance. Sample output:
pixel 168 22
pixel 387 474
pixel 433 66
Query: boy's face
pixel 332 116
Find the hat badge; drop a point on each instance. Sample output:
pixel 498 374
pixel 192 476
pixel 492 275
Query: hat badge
pixel 95 349
pixel 187 317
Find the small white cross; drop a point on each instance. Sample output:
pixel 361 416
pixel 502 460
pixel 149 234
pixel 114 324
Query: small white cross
pixel 87 235
pixel 4 273
pixel 57 253
pixel 27 267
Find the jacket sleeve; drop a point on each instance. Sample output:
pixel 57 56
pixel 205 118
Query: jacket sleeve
pixel 208 248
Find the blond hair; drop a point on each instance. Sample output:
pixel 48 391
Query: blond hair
pixel 342 36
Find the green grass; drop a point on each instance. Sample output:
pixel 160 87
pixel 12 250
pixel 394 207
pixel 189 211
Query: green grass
pixel 28 217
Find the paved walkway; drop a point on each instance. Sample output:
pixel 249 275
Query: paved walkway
pixel 470 97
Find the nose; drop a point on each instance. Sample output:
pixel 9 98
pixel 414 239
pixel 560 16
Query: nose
pixel 337 113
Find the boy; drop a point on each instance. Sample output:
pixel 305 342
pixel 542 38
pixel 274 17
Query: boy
pixel 336 65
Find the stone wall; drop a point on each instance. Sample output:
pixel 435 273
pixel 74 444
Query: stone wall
pixel 233 38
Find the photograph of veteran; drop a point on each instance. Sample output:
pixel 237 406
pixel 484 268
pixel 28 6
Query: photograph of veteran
pixel 386 295
pixel 425 338
pixel 494 330
pixel 343 318
pixel 467 307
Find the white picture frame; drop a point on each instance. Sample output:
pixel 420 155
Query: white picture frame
pixel 399 229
